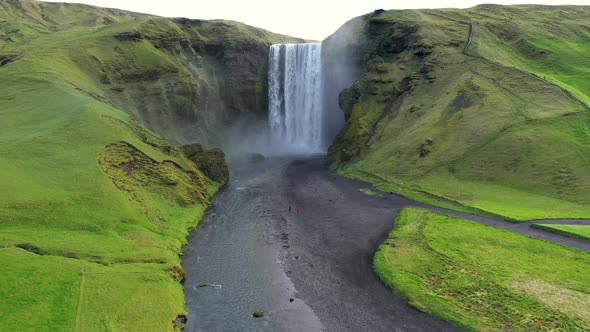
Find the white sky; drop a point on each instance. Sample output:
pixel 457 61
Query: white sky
pixel 311 19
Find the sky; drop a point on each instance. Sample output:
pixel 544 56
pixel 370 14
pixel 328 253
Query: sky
pixel 310 19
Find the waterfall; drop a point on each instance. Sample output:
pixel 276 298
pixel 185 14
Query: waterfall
pixel 295 98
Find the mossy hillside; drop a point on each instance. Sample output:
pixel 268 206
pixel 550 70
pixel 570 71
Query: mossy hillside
pixel 181 78
pixel 459 271
pixel 554 52
pixel 474 130
pixel 22 20
pixel 210 162
pixel 132 171
pixel 95 207
pixel 59 16
pixel 60 209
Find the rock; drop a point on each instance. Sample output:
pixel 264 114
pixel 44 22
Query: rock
pixel 177 273
pixel 210 161
pixel 291 299
pixel 179 321
pixel 256 157
pixel 373 64
pixel 425 147
pixel 6 59
pixel 129 36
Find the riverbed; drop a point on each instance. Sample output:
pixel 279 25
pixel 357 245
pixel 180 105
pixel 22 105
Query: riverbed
pixel 295 241
pixel 308 269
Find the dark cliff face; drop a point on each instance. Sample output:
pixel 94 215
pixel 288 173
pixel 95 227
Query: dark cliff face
pixel 211 74
pixel 236 56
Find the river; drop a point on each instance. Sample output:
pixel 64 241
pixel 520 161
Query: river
pixel 308 269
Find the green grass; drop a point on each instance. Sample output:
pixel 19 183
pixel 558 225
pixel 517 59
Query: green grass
pixel 482 278
pixel 502 200
pixel 503 130
pixel 94 207
pixel 61 205
pixel 50 293
pixel 370 192
pixel 91 227
pixel 577 231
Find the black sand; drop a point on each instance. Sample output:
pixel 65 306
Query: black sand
pixel 262 255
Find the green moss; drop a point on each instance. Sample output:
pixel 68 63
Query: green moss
pixel 518 283
pixel 177 273
pixel 137 174
pixel 478 130
pixel 211 162
pixel 97 197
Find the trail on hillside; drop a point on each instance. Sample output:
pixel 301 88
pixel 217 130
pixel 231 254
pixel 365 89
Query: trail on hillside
pixel 296 241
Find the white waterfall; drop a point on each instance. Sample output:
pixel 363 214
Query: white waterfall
pixel 295 97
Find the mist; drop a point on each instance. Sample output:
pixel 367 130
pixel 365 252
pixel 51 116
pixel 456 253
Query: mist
pixel 304 83
pixel 341 65
pixel 303 115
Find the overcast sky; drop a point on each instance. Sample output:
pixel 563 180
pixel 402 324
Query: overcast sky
pixel 311 19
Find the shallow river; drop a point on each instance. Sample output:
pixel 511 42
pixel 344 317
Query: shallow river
pixel 308 269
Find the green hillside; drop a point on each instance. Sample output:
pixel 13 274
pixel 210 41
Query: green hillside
pixel 483 110
pixel 103 112
pixel 460 271
pixel 577 231
pixel 94 207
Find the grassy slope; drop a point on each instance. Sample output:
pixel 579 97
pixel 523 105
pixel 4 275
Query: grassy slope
pixel 94 208
pixel 501 130
pixel 579 231
pixel 519 283
pixel 181 78
pixel 57 200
